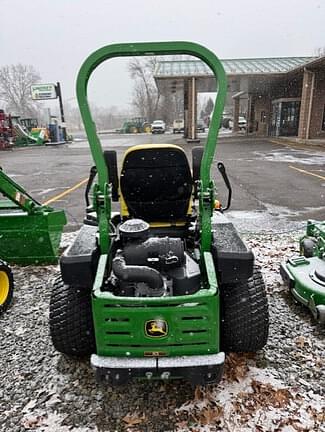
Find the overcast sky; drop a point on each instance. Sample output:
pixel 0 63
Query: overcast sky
pixel 56 36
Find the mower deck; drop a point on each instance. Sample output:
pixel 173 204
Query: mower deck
pixel 31 239
pixel 30 232
pixel 305 278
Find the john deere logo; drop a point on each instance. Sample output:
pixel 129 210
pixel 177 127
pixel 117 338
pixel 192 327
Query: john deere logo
pixel 156 328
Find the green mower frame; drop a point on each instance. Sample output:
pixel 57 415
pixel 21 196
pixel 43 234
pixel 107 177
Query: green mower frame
pixel 30 232
pixel 305 274
pixel 103 191
pixel 218 302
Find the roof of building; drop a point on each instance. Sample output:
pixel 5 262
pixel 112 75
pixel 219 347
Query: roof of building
pixel 185 68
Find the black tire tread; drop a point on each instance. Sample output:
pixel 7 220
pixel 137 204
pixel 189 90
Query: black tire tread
pixel 71 324
pixel 244 315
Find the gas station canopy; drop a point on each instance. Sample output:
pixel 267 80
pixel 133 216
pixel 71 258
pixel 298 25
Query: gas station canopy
pixel 257 83
pixel 256 66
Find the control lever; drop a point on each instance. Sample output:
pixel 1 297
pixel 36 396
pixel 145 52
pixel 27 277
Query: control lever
pixel 92 175
pixel 222 171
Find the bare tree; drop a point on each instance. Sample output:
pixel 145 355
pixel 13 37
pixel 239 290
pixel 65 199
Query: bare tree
pixel 15 83
pixel 149 101
pixel 319 51
pixel 167 105
pixel 146 95
pixel 208 107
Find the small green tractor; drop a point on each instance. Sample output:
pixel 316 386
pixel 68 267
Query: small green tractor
pixel 164 287
pixel 305 274
pixel 135 125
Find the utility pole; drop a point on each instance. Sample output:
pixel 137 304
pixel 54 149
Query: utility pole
pixel 59 94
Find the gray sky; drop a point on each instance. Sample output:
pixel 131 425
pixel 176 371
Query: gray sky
pixel 56 36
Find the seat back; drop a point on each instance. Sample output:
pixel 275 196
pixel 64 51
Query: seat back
pixel 156 183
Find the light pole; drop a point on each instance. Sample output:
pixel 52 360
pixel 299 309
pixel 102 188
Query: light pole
pixel 58 92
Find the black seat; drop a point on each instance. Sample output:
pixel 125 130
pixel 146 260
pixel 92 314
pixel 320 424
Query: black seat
pixel 156 183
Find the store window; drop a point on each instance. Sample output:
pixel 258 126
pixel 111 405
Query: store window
pixel 289 118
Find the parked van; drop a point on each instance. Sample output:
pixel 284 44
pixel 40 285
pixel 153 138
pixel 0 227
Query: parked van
pixel 178 126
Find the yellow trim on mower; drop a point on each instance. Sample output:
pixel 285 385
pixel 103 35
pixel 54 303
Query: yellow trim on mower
pixel 4 287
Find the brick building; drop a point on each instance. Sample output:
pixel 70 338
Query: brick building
pixel 279 96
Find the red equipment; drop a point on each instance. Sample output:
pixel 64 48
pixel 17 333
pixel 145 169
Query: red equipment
pixel 6 131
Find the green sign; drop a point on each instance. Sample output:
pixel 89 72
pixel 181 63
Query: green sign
pixel 43 91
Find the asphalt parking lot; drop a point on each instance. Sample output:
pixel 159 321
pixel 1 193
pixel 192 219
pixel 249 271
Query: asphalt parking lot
pixel 275 186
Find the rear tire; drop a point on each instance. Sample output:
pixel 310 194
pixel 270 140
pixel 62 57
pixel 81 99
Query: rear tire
pixel 6 286
pixel 71 324
pixel 244 315
pixel 307 247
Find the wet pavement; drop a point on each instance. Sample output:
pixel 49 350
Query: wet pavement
pixel 276 187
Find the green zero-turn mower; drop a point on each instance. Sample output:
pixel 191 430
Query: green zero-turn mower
pixel 305 274
pixel 6 286
pixel 165 287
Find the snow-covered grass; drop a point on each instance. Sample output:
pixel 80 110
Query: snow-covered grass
pixel 268 392
pixel 252 401
pixel 278 389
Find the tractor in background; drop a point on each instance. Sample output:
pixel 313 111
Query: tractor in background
pixel 136 125
pixel 27 132
pixel 31 125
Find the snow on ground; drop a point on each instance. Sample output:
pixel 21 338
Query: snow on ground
pixel 251 401
pixel 280 388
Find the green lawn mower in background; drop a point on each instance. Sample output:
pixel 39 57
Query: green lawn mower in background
pixel 30 232
pixel 163 288
pixel 305 274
